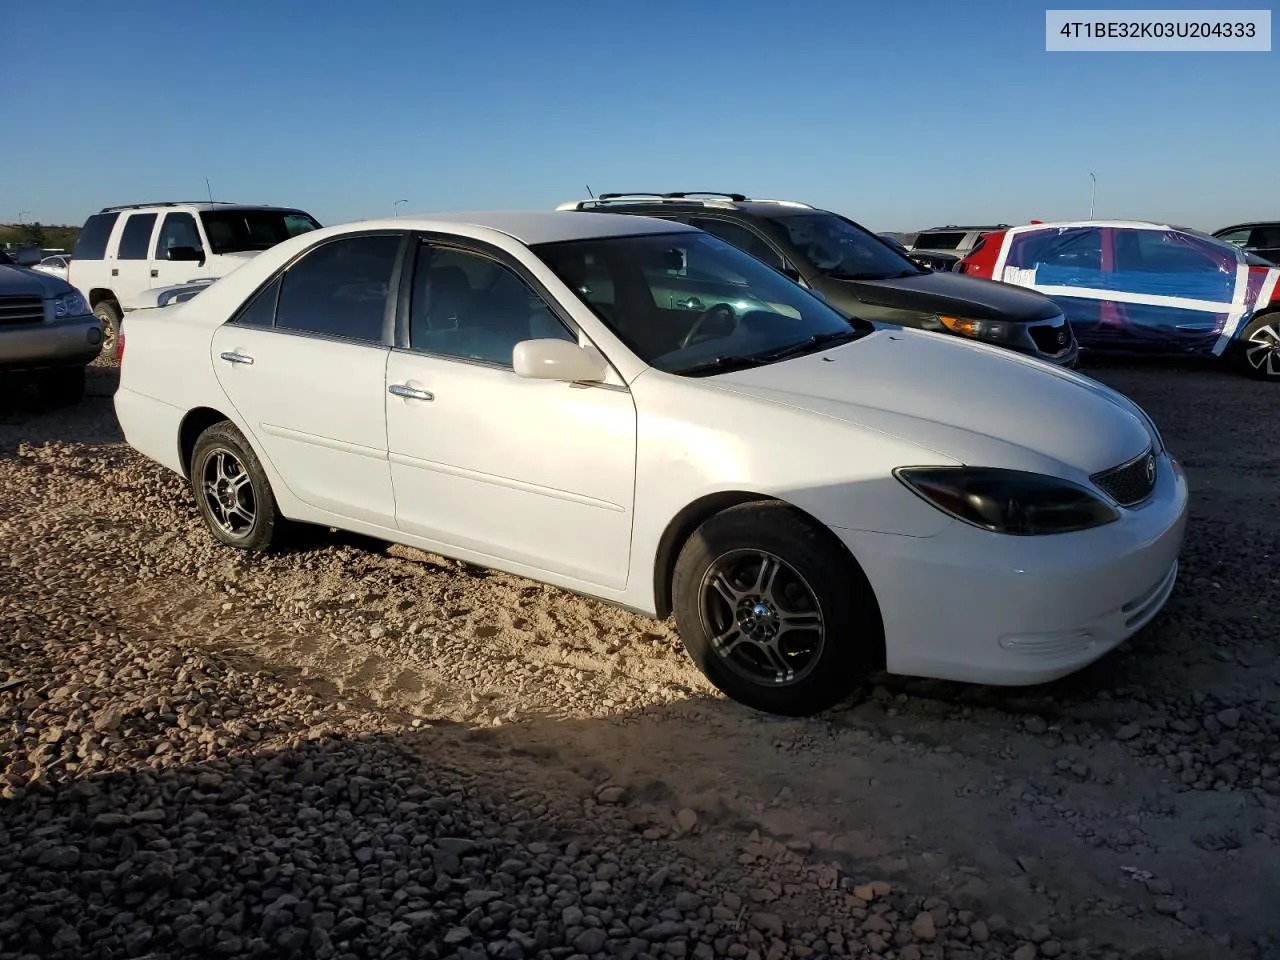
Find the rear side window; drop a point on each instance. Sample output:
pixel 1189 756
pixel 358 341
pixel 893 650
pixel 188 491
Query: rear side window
pixel 940 240
pixel 136 237
pixel 340 289
pixel 260 311
pixel 91 244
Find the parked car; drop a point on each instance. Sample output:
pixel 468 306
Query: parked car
pixel 55 265
pixel 858 272
pixel 47 332
pixel 1146 288
pixel 1261 239
pixel 124 251
pixel 930 261
pixel 951 240
pixel 529 392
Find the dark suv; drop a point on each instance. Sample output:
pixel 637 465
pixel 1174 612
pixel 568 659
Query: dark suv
pixel 860 273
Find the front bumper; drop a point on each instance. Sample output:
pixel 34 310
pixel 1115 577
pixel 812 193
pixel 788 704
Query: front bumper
pixel 73 342
pixel 990 608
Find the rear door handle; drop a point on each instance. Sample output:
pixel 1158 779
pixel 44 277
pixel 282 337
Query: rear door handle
pixel 410 393
pixel 115 271
pixel 232 357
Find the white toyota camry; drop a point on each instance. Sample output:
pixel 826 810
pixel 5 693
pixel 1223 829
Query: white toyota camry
pixel 638 411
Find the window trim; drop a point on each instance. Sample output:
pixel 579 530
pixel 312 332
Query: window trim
pixel 487 251
pixel 389 309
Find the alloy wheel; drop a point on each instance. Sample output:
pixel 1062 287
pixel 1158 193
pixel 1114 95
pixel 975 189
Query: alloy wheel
pixel 1262 350
pixel 228 493
pixel 762 617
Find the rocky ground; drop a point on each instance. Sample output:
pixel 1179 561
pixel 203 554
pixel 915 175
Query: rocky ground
pixel 352 750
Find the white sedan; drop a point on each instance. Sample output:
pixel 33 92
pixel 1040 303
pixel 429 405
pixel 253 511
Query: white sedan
pixel 638 411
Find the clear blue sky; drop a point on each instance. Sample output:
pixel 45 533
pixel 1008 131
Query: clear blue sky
pixel 898 114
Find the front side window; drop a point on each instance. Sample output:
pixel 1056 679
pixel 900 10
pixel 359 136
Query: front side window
pixel 740 237
pixel 1174 263
pixel 841 250
pixel 340 288
pixel 135 240
pixel 251 229
pixel 1237 238
pixel 690 303
pixel 470 306
pixel 177 230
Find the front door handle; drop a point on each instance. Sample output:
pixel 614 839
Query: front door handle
pixel 232 357
pixel 410 393
pixel 155 273
pixel 693 303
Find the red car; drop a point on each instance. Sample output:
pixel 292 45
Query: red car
pixel 1144 288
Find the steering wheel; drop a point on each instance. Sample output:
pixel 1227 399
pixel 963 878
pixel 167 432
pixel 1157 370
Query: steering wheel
pixel 721 311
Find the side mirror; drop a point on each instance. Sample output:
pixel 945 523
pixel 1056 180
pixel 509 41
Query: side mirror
pixel 187 254
pixel 27 257
pixel 558 360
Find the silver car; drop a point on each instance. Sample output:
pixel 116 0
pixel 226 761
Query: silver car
pixel 47 331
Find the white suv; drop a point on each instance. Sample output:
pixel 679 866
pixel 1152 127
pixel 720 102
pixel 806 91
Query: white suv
pixel 124 252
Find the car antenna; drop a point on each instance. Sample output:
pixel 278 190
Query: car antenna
pixel 209 188
pixel 589 193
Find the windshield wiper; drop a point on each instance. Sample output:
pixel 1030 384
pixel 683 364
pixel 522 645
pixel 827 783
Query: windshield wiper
pixel 828 339
pixel 723 364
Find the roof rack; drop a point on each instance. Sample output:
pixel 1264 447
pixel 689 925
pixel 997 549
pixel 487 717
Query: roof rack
pixel 698 198
pixel 956 226
pixel 168 203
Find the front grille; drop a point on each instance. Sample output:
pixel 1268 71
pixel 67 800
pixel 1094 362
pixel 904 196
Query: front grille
pixel 1051 338
pixel 21 310
pixel 1130 483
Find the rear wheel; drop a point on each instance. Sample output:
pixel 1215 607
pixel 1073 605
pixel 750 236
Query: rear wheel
pixel 232 491
pixel 774 612
pixel 108 314
pixel 1259 347
pixel 64 385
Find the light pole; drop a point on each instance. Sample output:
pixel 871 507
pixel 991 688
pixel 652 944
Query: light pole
pixel 1093 194
pixel 396 206
pixel 21 214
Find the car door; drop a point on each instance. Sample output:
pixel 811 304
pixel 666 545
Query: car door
pixel 1169 291
pixel 178 231
pixel 533 472
pixel 304 363
pixel 1068 265
pixel 129 271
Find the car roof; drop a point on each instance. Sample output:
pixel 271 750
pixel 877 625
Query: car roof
pixel 200 205
pixel 1123 224
pixel 1247 223
pixel 528 226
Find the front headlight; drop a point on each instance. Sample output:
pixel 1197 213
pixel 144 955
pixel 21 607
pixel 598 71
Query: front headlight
pixel 978 329
pixel 1008 501
pixel 69 305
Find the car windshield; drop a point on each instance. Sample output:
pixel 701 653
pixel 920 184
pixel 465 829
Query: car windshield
pixel 842 250
pixel 690 303
pixel 236 231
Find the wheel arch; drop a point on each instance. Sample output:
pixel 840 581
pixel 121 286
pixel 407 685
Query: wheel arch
pixel 99 295
pixel 196 422
pixel 682 526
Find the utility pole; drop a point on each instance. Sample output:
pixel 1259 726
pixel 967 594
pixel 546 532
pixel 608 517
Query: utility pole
pixel 1093 194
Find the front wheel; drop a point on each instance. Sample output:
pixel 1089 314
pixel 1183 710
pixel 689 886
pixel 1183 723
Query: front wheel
pixel 232 491
pixel 774 612
pixel 1259 348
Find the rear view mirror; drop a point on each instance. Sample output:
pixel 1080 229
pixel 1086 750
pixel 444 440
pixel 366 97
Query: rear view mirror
pixel 187 254
pixel 558 360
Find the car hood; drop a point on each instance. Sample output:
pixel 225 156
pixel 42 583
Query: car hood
pixel 971 298
pixel 18 281
pixel 967 402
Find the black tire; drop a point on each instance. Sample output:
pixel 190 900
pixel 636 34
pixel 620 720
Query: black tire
pixel 826 662
pixel 1258 349
pixel 64 385
pixel 254 522
pixel 108 313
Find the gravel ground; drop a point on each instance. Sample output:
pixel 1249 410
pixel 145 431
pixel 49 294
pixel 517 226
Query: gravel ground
pixel 355 750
